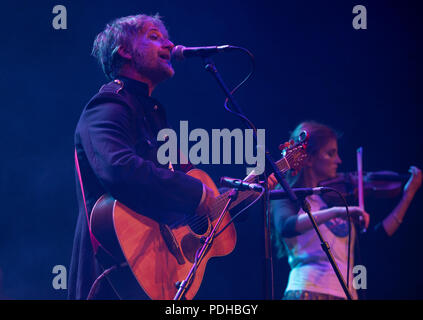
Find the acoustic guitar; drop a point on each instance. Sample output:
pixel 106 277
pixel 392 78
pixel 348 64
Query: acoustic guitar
pixel 160 255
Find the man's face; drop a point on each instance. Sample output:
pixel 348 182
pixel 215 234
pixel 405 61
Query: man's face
pixel 151 53
pixel 325 163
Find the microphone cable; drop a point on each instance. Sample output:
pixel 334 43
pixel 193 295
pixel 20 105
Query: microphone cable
pixel 235 216
pixel 349 231
pixel 249 75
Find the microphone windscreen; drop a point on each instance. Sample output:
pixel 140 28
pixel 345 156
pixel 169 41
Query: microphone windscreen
pixel 178 52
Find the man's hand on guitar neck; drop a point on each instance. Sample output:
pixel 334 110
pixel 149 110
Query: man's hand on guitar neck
pixel 206 202
pixel 271 181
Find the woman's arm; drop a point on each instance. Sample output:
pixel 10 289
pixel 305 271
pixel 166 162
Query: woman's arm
pixel 304 224
pixel 392 222
pixel 288 223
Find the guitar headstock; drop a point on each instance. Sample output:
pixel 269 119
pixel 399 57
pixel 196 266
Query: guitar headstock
pixel 294 152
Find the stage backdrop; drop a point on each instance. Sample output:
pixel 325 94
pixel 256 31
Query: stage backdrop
pixel 311 63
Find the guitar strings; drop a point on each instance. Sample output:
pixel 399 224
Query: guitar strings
pixel 200 222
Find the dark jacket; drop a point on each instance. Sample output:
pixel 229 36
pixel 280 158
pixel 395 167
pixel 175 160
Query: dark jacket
pixel 116 144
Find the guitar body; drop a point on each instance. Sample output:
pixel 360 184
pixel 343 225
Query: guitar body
pixel 158 255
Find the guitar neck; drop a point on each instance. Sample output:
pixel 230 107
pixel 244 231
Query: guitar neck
pixel 282 165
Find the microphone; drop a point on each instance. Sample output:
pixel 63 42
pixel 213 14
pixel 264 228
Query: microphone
pixel 240 184
pixel 299 192
pixel 180 52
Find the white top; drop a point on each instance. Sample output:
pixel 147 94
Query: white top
pixel 310 267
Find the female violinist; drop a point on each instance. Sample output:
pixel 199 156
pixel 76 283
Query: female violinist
pixel 311 275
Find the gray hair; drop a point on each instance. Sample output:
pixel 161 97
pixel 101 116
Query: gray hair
pixel 120 33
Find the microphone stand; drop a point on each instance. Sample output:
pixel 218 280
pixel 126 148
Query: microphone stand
pixel 199 255
pixel 268 270
pixel 325 246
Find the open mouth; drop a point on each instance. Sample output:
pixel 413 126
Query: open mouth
pixel 165 56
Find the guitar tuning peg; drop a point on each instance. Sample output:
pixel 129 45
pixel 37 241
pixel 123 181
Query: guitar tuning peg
pixel 284 146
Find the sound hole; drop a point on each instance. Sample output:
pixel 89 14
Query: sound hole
pixel 199 224
pixel 190 244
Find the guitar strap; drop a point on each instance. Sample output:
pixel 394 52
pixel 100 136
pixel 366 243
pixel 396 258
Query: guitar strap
pixel 94 241
pixel 100 252
pixel 103 254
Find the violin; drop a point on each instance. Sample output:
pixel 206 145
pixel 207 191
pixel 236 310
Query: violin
pixel 376 185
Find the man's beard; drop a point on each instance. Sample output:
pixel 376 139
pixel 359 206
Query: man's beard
pixel 156 73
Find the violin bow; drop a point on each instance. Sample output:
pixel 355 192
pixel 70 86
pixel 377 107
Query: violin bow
pixel 360 181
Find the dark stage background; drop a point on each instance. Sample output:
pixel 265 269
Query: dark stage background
pixel 310 64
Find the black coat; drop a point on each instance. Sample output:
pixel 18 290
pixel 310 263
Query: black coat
pixel 116 144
